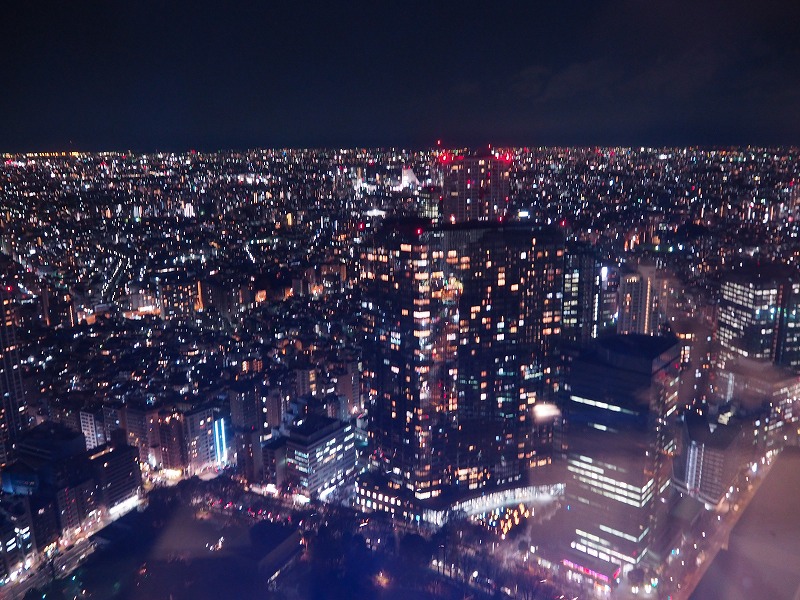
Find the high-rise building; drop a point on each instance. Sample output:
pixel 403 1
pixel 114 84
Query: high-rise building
pixel 13 410
pixel 474 188
pixel 459 323
pixel 117 474
pixel 320 454
pixel 711 456
pixel 618 403
pixel 248 418
pixel 644 296
pixel 635 296
pixel 582 299
pixel 759 316
pixel 198 434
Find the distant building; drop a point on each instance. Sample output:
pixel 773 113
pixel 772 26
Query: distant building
pixel 178 294
pixel 474 188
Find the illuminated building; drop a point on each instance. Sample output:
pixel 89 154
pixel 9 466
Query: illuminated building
pixel 171 446
pixel 117 474
pixel 619 401
pixel 635 303
pixel 178 295
pixel 92 427
pixel 759 316
pixel 248 417
pixel 711 456
pixel 474 188
pixel 581 300
pixel 320 454
pixel 17 545
pixel 13 415
pixel 199 438
pixel 459 324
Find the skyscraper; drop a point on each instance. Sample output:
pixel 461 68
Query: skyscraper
pixel 582 289
pixel 619 401
pixel 759 316
pixel 458 325
pixel 474 188
pixel 13 415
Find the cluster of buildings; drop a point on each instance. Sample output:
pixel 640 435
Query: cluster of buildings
pixel 412 329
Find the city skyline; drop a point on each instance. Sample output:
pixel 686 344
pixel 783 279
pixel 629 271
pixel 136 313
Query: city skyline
pixel 327 301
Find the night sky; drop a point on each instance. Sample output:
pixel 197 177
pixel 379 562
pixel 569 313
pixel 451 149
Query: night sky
pixel 165 75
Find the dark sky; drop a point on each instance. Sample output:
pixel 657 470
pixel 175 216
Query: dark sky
pixel 166 75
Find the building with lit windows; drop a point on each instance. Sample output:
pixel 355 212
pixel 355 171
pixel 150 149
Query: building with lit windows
pixel 759 316
pixel 581 299
pixel 619 403
pixel 635 303
pixel 199 438
pixel 474 188
pixel 17 545
pixel 320 454
pixel 13 409
pixel 459 327
pixel 711 456
pixel 117 474
pixel 178 294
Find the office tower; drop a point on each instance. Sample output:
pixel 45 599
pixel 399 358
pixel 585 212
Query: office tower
pixel 320 454
pixel 199 438
pixel 609 300
pixel 711 456
pixel 13 411
pixel 635 303
pixel 645 298
pixel 458 326
pixel 429 202
pixel 171 450
pixel 582 295
pixel 759 316
pixel 619 400
pixel 474 188
pixel 117 474
pixel 52 464
pixel 17 544
pixel 248 418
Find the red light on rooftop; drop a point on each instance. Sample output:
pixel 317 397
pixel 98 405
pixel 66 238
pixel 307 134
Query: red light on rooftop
pixel 419 231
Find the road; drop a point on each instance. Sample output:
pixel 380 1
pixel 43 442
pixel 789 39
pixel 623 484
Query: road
pixel 65 563
pixel 719 538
